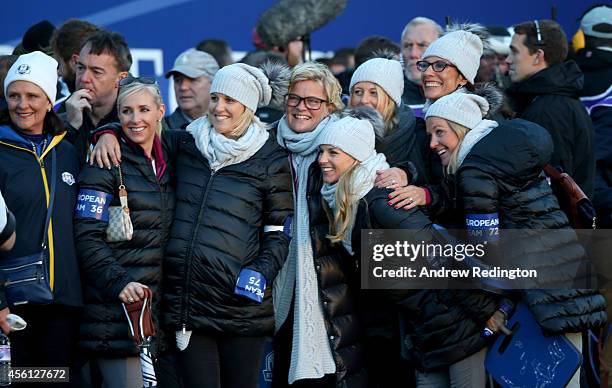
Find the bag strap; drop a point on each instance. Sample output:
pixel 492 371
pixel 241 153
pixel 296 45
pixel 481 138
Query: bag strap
pixel 552 172
pixel 51 198
pixel 122 191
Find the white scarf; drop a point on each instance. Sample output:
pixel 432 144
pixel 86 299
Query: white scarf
pixel 221 151
pixel 311 355
pixel 362 182
pixel 472 137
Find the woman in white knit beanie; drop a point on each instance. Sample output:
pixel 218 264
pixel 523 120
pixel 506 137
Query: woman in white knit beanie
pixel 229 237
pixel 451 62
pixel 449 65
pixel 378 83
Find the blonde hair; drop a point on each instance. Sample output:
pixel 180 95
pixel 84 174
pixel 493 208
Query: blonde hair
pixel 460 131
pixel 385 106
pixel 135 87
pixel 344 216
pixel 244 121
pixel 314 71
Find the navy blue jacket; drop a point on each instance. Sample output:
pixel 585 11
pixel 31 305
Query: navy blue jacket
pixel 25 183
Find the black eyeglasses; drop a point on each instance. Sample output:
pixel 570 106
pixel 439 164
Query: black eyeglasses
pixel 141 80
pixel 437 66
pixel 294 100
pixel 540 41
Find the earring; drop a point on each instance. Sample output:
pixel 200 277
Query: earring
pixel 49 110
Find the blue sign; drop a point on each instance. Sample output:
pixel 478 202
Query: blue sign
pixel 483 227
pixel 251 284
pixel 93 204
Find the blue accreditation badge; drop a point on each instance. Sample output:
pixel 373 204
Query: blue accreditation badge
pixel 93 204
pixel 483 227
pixel 251 284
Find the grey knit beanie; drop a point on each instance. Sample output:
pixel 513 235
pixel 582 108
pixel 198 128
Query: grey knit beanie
pixel 462 108
pixel 353 136
pixel 386 73
pixel 462 48
pixel 245 84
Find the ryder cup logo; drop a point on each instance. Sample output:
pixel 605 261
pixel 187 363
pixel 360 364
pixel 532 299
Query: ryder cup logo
pixel 23 69
pixel 68 178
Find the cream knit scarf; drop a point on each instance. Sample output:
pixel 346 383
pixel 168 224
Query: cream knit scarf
pixel 221 151
pixel 311 355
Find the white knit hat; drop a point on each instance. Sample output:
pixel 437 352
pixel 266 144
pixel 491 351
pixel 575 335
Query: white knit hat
pixel 37 68
pixel 461 48
pixel 245 84
pixel 353 136
pixel 386 73
pixel 462 108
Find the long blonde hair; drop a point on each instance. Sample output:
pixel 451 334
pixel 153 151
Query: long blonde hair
pixel 460 131
pixel 344 215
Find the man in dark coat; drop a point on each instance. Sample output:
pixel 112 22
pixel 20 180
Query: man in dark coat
pixel 595 61
pixel 103 61
pixel 545 90
pixel 192 74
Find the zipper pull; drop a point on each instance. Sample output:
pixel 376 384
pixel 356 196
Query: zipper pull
pixel 184 328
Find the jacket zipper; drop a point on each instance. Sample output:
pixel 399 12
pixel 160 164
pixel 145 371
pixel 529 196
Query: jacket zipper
pixel 188 258
pixel 41 164
pixel 22 266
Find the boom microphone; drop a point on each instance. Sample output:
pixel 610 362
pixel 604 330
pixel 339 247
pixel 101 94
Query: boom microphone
pixel 289 19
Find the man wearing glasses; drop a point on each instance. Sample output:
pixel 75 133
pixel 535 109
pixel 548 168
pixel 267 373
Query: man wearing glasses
pixel 104 59
pixel 545 90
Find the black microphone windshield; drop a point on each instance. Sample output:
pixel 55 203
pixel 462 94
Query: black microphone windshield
pixel 289 19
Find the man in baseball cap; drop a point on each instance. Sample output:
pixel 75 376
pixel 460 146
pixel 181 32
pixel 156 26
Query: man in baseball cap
pixel 192 73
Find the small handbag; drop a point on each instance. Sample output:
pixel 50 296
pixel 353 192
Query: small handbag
pixel 26 278
pixel 119 223
pixel 140 318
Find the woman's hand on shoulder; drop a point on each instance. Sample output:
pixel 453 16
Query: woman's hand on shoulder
pixel 408 197
pixel 391 178
pixel 107 152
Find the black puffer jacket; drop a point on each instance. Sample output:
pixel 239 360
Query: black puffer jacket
pixel 407 147
pixel 503 174
pixel 445 326
pixel 337 291
pixel 550 98
pixel 108 267
pixel 440 327
pixel 378 313
pixel 217 231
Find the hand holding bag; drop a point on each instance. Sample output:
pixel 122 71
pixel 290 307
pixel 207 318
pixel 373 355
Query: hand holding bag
pixel 140 318
pixel 27 279
pixel 119 223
